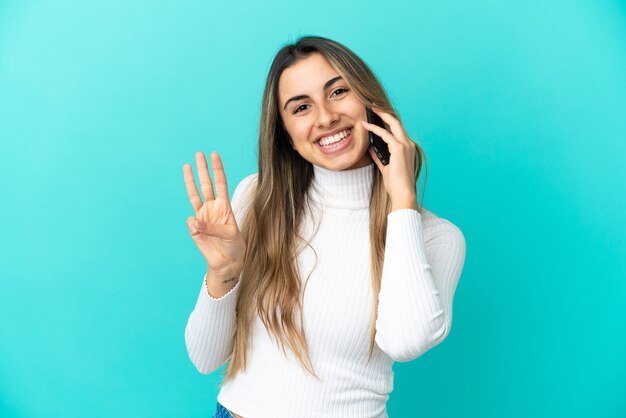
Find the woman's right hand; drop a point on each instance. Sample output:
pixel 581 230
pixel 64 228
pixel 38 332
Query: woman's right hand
pixel 214 228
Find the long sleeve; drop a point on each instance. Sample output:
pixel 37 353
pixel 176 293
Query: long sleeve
pixel 210 330
pixel 420 275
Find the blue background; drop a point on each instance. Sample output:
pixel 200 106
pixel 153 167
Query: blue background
pixel 519 106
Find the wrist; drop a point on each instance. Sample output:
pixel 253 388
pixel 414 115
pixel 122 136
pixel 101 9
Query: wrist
pixel 407 201
pixel 220 278
pixel 218 284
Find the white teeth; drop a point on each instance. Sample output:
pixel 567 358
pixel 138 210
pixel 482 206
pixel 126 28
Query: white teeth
pixel 329 140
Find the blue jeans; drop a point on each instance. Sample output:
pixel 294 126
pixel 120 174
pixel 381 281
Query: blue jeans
pixel 221 412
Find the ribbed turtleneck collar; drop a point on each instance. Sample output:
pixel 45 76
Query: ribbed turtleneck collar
pixel 350 189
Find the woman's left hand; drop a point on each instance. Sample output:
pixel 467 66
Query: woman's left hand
pixel 398 175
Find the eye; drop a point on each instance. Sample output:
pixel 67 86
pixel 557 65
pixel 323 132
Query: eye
pixel 341 90
pixel 296 110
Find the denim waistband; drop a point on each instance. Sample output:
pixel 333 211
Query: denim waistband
pixel 221 412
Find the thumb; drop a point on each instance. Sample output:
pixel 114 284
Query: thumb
pixel 191 226
pixel 211 229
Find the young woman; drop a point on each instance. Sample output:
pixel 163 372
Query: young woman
pixel 323 270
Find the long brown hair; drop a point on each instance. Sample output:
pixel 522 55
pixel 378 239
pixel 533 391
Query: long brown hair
pixel 270 285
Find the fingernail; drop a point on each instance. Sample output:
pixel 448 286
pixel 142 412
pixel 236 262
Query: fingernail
pixel 364 123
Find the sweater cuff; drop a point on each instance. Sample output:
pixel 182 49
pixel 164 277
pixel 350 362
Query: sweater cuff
pixel 206 302
pixel 225 296
pixel 405 239
pixel 404 218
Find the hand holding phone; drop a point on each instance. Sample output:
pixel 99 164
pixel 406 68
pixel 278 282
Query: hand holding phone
pixel 380 147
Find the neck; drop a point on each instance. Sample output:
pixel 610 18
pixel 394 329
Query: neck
pixel 349 189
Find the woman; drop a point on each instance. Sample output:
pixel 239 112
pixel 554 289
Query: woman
pixel 323 270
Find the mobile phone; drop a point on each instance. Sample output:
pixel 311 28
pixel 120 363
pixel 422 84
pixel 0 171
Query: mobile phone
pixel 380 147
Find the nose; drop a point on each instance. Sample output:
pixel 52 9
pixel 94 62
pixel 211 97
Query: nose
pixel 326 117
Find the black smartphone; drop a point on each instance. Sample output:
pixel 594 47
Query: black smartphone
pixel 380 147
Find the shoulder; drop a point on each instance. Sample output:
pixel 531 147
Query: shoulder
pixel 243 194
pixel 245 185
pixel 439 229
pixel 444 242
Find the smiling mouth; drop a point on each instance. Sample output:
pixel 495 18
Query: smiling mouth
pixel 334 141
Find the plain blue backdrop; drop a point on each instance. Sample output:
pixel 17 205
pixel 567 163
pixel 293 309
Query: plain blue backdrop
pixel 519 106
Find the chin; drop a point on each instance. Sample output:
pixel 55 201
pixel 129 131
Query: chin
pixel 347 165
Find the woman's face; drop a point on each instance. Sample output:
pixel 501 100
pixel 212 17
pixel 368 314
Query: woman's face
pixel 322 115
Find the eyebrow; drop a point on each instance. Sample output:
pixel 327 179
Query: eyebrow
pixel 304 96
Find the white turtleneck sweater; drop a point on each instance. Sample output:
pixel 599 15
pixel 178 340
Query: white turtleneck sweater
pixel 424 257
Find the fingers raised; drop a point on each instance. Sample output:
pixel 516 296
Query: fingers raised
pixel 221 187
pixel 205 178
pixel 192 190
